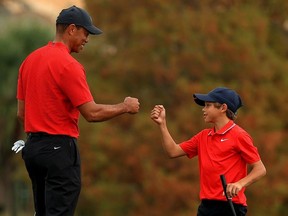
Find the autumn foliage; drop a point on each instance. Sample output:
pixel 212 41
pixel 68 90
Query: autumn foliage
pixel 162 52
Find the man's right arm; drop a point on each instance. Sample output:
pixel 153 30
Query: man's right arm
pixel 93 112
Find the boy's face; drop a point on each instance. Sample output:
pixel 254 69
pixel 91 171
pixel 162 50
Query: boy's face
pixel 211 112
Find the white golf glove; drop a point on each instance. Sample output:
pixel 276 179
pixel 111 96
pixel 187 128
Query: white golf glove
pixel 18 146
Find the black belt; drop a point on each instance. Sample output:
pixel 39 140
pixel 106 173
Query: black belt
pixel 217 202
pixel 39 134
pixel 43 134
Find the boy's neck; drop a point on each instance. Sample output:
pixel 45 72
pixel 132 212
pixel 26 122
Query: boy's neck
pixel 220 124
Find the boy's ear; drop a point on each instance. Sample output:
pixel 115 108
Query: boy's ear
pixel 224 107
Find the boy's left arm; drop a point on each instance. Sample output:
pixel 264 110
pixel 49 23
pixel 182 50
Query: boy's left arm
pixel 258 170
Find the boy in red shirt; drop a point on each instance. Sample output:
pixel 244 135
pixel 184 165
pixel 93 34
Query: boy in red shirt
pixel 224 149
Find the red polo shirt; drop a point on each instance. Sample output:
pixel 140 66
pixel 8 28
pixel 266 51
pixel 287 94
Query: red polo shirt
pixel 227 152
pixel 52 84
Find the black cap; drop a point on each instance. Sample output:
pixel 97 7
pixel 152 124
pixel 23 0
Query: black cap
pixel 79 17
pixel 221 95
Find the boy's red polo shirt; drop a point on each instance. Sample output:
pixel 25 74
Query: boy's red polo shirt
pixel 52 84
pixel 227 152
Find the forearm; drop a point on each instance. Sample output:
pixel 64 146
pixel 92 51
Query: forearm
pixel 20 119
pixel 103 112
pixel 258 171
pixel 172 149
pixel 93 112
pixel 21 112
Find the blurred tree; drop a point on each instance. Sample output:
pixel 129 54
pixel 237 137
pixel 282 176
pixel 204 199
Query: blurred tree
pixel 17 40
pixel 162 52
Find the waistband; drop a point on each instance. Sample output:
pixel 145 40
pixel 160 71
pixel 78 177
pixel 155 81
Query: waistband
pixel 43 134
pixel 217 202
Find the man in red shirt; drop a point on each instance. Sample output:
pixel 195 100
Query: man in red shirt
pixel 223 149
pixel 52 92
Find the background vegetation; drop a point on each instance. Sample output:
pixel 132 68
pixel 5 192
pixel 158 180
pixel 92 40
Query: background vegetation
pixel 162 52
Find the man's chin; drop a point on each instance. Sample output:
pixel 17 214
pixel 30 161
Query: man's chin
pixel 78 50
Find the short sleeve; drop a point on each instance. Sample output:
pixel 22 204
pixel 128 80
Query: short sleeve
pixel 74 84
pixel 245 146
pixel 190 147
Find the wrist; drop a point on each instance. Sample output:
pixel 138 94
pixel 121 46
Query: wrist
pixel 163 125
pixel 125 107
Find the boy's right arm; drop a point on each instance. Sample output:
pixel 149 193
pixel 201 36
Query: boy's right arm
pixel 172 149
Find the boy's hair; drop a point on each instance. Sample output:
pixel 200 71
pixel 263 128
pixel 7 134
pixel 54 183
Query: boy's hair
pixel 229 113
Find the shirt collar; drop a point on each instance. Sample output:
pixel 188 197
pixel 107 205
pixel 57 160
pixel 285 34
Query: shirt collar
pixel 224 129
pixel 59 44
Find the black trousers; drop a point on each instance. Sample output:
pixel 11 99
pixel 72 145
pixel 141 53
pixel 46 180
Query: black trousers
pixel 219 208
pixel 53 165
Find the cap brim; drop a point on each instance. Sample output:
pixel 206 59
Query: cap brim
pixel 93 30
pixel 200 99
